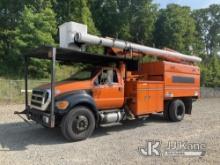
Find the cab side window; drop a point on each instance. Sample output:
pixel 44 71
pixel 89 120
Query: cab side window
pixel 108 76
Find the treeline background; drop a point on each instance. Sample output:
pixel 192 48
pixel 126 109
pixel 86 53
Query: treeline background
pixel 29 23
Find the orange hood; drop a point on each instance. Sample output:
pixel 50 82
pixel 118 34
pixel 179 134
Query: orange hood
pixel 67 86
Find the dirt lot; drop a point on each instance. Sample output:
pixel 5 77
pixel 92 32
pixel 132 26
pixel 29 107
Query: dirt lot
pixel 32 144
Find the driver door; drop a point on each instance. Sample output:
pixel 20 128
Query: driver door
pixel 108 91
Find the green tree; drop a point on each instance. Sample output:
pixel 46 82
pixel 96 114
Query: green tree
pixel 211 72
pixel 75 10
pixel 36 27
pixel 175 28
pixel 143 14
pixel 107 17
pixel 208 26
pixel 10 13
pixel 129 20
pixel 216 71
pixel 15 33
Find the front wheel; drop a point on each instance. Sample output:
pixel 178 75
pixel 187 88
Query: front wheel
pixel 176 110
pixel 78 124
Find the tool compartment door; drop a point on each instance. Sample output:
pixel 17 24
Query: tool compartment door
pixel 149 98
pixel 155 97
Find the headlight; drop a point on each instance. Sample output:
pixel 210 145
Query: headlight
pixel 57 92
pixel 62 105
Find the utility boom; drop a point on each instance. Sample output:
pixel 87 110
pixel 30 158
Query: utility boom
pixel 80 36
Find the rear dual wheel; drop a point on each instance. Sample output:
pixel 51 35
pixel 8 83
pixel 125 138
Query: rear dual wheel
pixel 175 110
pixel 78 124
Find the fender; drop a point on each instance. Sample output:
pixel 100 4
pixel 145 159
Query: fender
pixel 79 97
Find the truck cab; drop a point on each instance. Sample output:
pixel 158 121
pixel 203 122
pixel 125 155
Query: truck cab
pixel 104 85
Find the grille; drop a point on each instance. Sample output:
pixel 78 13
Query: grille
pixel 40 99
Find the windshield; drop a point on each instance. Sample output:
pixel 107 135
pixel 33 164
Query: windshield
pixel 85 74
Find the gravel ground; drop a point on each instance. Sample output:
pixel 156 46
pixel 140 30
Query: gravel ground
pixel 32 144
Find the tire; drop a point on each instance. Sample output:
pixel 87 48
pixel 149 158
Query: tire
pixel 78 124
pixel 63 128
pixel 176 110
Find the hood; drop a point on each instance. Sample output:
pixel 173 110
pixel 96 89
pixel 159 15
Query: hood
pixel 68 86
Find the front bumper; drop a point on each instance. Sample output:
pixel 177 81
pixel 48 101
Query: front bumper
pixel 41 117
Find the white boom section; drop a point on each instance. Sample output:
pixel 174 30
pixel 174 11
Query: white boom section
pixel 108 42
pixel 85 38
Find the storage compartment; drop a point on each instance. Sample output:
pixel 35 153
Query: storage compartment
pixel 180 80
pixel 144 97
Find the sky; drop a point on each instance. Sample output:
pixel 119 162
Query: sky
pixel 194 4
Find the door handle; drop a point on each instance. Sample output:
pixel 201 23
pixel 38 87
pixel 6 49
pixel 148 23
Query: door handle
pixel 120 88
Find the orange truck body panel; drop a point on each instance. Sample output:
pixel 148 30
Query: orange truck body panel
pixel 180 80
pixel 108 96
pixel 155 82
pixel 146 96
pixel 68 86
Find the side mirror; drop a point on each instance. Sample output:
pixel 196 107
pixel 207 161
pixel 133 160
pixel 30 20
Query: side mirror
pixel 110 84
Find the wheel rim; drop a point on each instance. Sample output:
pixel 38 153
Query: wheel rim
pixel 81 123
pixel 180 111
